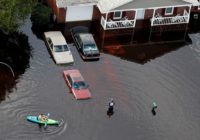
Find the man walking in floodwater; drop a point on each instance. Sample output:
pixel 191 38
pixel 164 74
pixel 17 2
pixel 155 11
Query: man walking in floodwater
pixel 154 107
pixel 111 104
pixel 110 107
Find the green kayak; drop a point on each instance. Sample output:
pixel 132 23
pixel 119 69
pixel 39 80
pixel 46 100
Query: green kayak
pixel 48 122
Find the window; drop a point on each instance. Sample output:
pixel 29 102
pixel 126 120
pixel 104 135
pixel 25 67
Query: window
pixel 117 15
pixel 79 41
pixel 69 80
pixel 51 46
pixel 80 85
pixel 65 48
pixel 88 47
pixel 195 16
pixel 58 48
pixel 169 11
pixel 49 40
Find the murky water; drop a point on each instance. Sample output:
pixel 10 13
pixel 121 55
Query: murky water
pixel 169 76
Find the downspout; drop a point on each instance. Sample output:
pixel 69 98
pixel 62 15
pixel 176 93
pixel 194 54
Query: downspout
pixel 106 20
pixel 187 21
pixel 135 17
pixel 189 14
pixel 152 20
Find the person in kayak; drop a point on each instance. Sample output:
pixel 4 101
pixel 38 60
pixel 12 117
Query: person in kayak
pixel 43 118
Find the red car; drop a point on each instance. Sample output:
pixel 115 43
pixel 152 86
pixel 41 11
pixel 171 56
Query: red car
pixel 77 84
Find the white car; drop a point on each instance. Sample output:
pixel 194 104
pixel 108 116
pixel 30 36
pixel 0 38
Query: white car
pixel 58 47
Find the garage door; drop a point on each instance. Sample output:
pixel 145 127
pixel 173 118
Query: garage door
pixel 78 13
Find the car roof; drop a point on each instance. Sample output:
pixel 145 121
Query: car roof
pixel 58 40
pixel 87 38
pixel 56 37
pixel 76 76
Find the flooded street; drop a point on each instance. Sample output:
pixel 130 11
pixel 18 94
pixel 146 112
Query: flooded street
pixel 171 79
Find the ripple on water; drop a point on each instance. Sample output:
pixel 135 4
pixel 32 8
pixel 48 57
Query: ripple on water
pixel 196 44
pixel 28 129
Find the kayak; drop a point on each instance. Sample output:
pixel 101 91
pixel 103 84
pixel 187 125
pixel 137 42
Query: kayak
pixel 35 120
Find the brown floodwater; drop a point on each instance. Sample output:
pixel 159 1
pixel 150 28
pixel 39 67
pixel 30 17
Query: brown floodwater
pixel 134 77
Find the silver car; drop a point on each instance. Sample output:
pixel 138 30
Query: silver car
pixel 58 47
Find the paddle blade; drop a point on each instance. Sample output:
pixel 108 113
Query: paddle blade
pixel 45 125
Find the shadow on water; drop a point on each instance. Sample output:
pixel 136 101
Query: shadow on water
pixel 110 112
pixel 142 53
pixel 16 52
pixel 153 111
pixel 39 32
pixel 7 82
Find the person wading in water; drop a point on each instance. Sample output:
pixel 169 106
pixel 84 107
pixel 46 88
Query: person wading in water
pixel 111 107
pixel 153 109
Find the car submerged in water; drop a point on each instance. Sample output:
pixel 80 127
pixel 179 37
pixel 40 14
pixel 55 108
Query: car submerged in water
pixel 85 43
pixel 58 47
pixel 76 84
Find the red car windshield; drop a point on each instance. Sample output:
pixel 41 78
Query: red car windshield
pixel 80 85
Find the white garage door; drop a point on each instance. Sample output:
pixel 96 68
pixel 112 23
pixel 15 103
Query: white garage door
pixel 78 13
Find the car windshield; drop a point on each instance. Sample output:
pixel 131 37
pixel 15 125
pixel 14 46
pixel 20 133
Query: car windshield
pixel 61 48
pixel 80 85
pixel 88 47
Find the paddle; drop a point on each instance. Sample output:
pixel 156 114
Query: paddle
pixel 45 125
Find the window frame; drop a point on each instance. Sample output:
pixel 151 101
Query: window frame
pixel 172 11
pixel 50 43
pixel 69 79
pixel 79 41
pixel 118 17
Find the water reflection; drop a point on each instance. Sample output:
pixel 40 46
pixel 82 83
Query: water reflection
pixel 141 54
pixel 7 82
pixel 153 111
pixel 16 52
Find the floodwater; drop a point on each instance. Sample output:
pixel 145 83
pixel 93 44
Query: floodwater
pixel 169 76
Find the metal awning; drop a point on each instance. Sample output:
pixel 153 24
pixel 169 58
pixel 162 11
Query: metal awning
pixel 143 4
pixel 107 5
pixel 65 3
pixel 193 2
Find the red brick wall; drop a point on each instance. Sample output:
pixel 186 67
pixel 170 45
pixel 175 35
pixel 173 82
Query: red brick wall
pixel 96 13
pixel 61 15
pixel 50 3
pixel 148 13
pixel 59 12
pixel 129 14
pixel 195 9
